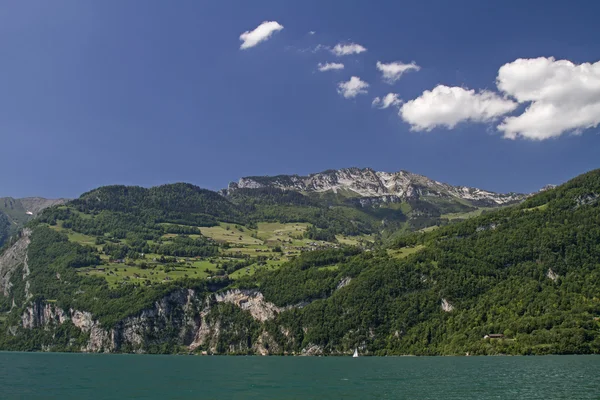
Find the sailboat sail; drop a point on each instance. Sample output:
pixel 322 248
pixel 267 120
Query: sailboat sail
pixel 355 353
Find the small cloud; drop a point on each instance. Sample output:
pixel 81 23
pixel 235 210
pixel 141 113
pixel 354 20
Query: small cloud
pixel 389 100
pixel 347 49
pixel 314 50
pixel 394 70
pixel 320 47
pixel 352 88
pixel 330 66
pixel 312 32
pixel 262 32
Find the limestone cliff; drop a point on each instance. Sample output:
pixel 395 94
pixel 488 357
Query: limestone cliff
pixel 179 318
pixel 184 318
pixel 374 186
pixel 12 259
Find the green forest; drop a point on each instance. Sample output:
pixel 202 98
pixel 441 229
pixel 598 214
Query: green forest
pixel 528 274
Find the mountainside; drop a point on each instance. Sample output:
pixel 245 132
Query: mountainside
pixel 14 213
pixel 357 182
pixel 374 202
pixel 177 269
pixel 347 201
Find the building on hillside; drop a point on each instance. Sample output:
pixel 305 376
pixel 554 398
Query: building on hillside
pixel 494 336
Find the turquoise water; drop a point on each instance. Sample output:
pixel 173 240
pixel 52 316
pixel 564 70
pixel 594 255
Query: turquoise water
pixel 94 376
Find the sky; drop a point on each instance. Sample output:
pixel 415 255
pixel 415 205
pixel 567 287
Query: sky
pixel 502 96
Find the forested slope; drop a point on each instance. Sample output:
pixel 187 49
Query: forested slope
pixel 530 273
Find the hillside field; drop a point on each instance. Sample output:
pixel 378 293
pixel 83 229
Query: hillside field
pixel 266 247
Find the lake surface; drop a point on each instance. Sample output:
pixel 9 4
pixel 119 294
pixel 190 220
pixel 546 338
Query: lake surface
pixel 97 376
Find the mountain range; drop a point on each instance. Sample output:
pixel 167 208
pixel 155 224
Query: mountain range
pixel 265 269
pixel 412 201
pixel 371 185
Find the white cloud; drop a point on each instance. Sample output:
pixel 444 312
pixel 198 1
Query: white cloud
pixel 353 87
pixel 389 100
pixel 394 70
pixel 347 49
pixel 561 96
pixel 330 66
pixel 315 49
pixel 260 34
pixel 447 106
pixel 312 32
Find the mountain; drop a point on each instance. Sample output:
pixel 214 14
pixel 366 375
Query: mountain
pixel 347 201
pixel 126 269
pixel 370 184
pixel 14 213
pixel 388 203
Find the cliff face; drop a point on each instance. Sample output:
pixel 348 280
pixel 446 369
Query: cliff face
pixel 12 259
pixel 184 318
pixel 368 183
pixel 231 321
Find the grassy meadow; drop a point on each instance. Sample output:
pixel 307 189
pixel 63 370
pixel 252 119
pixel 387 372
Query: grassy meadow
pixel 268 246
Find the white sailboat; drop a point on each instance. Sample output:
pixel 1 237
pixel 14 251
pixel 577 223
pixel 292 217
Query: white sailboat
pixel 355 355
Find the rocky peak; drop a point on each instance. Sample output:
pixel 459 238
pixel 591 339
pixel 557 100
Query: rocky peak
pixel 366 182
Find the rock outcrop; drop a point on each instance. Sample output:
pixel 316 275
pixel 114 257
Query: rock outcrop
pixel 251 301
pixel 312 350
pixel 343 283
pixel 553 276
pixel 180 316
pixel 375 186
pixel 447 306
pixel 12 259
pixel 43 315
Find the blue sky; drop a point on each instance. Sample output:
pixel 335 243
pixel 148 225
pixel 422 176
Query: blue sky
pixel 151 92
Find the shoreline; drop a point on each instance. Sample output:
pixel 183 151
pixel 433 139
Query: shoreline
pixel 294 356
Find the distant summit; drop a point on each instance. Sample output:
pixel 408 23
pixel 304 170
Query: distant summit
pixel 14 213
pixel 368 183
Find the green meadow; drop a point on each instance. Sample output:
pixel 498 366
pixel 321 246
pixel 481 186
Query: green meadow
pixel 268 246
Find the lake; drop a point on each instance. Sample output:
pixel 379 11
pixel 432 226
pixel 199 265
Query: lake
pixel 97 376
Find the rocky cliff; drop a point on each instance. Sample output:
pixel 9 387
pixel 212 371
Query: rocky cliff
pixel 13 259
pixel 367 183
pixel 185 319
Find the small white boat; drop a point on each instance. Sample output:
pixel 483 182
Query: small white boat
pixel 355 355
